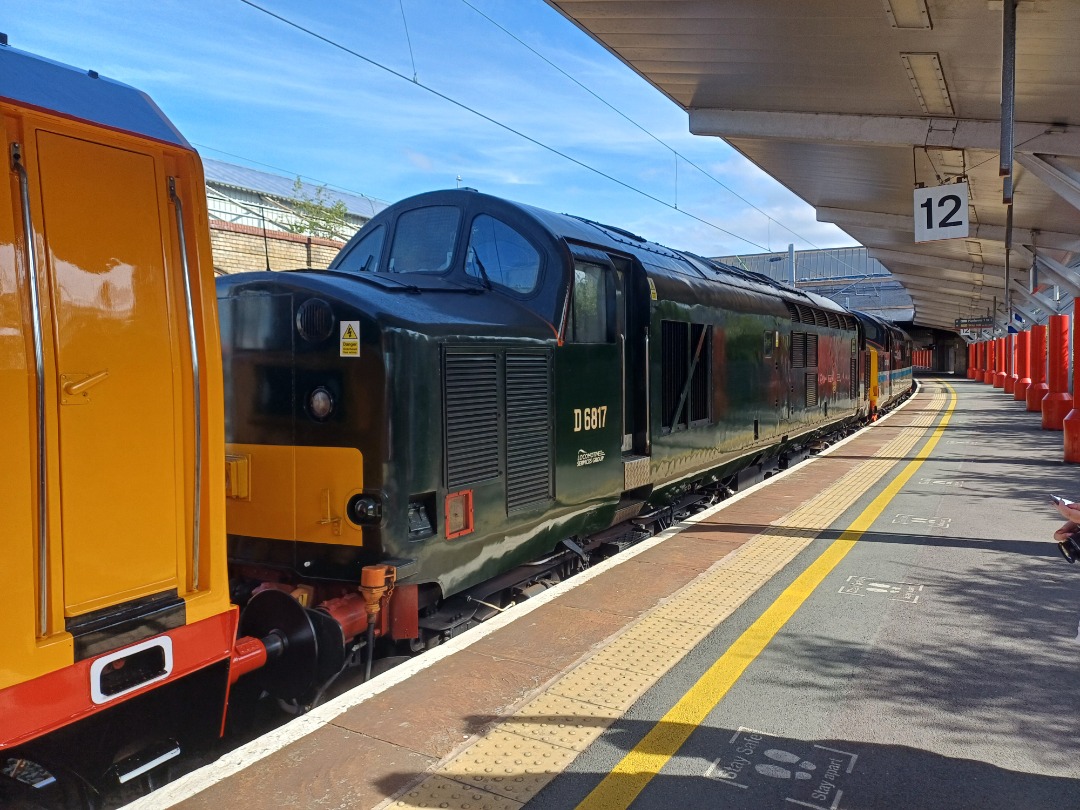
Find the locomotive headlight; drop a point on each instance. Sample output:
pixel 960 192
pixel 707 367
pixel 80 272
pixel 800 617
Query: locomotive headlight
pixel 320 403
pixel 364 509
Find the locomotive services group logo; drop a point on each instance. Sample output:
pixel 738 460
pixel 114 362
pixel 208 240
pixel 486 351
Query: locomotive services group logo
pixel 593 457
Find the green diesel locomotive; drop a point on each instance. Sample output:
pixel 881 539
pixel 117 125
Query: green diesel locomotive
pixel 480 397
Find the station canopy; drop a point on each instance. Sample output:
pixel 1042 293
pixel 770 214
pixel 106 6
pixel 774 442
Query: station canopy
pixel 853 103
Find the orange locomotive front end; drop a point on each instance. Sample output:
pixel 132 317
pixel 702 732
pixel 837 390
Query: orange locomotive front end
pixel 117 628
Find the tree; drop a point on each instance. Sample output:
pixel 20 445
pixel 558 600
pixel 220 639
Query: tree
pixel 316 216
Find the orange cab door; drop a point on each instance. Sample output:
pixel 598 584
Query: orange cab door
pixel 120 427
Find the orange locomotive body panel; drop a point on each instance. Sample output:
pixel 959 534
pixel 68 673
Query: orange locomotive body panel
pixel 113 539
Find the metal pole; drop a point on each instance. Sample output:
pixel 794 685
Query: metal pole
pixel 1008 86
pixel 1008 266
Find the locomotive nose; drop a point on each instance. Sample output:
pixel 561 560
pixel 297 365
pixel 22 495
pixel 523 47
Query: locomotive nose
pixel 303 385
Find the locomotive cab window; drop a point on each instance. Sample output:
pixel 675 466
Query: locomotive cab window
pixel 771 342
pixel 500 256
pixel 364 256
pixel 592 318
pixel 424 240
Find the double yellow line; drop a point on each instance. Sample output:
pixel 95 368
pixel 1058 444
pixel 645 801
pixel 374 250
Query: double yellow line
pixel 619 788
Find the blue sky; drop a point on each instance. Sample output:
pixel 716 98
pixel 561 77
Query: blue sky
pixel 249 89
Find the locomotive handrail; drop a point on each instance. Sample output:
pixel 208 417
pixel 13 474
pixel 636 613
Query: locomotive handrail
pixel 39 361
pixel 648 398
pixel 195 381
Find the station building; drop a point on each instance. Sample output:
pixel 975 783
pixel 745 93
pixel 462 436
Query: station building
pixel 846 275
pixel 260 220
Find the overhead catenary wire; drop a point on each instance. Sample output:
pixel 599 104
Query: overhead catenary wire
pixel 659 140
pixel 408 39
pixel 678 155
pixel 461 105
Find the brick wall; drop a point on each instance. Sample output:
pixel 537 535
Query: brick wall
pixel 240 247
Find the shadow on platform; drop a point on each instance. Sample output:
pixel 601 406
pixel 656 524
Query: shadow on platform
pixel 747 769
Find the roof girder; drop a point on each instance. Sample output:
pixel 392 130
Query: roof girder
pixel 884 130
pixel 902 223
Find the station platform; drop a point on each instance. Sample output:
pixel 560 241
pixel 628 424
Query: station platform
pixel 886 625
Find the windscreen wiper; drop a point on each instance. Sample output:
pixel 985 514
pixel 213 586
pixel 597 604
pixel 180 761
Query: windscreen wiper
pixel 483 271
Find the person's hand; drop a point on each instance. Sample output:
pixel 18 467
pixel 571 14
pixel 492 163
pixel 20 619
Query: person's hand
pixel 1062 534
pixel 1069 511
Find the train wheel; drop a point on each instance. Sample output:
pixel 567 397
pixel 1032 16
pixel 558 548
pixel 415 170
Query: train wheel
pixel 27 784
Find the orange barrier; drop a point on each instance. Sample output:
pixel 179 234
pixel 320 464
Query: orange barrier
pixel 1037 369
pixel 1071 423
pixel 1023 363
pixel 971 361
pixel 1057 404
pixel 1010 356
pixel 999 374
pixel 991 362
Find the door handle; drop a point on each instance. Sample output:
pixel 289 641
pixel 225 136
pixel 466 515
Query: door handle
pixel 73 389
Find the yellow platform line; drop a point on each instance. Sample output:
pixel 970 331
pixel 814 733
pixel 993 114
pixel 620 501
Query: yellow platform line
pixel 619 788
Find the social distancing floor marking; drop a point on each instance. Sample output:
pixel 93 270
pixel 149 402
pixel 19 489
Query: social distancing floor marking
pixel 521 755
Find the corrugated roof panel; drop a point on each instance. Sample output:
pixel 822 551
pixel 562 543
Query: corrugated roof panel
pixel 241 177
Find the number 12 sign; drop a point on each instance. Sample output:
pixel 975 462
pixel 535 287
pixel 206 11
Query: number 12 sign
pixel 941 212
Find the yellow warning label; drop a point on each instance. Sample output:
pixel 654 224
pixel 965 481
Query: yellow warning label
pixel 349 345
pixel 652 289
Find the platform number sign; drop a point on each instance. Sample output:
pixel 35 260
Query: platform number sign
pixel 941 212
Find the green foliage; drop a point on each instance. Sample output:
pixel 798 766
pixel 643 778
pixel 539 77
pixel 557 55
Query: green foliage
pixel 316 216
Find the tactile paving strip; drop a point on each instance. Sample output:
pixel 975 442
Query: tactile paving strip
pixel 563 721
pixel 668 631
pixel 438 791
pixel 646 657
pixel 521 755
pixel 509 764
pixel 595 683
pixel 705 614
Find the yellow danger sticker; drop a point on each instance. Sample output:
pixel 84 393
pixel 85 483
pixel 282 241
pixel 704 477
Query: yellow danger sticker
pixel 350 339
pixel 652 289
